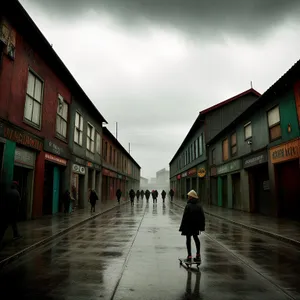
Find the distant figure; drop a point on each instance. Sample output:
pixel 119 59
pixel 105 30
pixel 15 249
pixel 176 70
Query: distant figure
pixel 67 201
pixel 138 195
pixel 92 199
pixel 119 195
pixel 142 194
pixel 156 195
pixel 163 195
pixel 147 194
pixel 132 195
pixel 171 193
pixel 10 216
pixel 193 222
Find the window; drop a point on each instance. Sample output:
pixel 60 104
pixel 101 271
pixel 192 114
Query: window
pixel 225 149
pixel 196 149
pixel 274 123
pixel 78 129
pixel 62 117
pixel 213 156
pixel 248 130
pixel 110 154
pixel 33 104
pixel 90 142
pixel 233 144
pixel 98 143
pixel 200 144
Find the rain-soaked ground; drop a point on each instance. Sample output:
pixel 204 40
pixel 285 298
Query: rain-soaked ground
pixel 132 253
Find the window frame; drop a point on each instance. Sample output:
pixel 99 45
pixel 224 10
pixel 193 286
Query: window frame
pixel 25 120
pixel 80 142
pixel 98 151
pixel 213 156
pixel 233 145
pixel 275 124
pixel 245 126
pixel 58 134
pixel 90 138
pixel 223 158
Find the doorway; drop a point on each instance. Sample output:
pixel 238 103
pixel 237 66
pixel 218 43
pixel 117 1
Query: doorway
pixel 236 191
pixel 24 176
pixel 224 191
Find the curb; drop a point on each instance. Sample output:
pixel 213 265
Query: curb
pixel 17 255
pixel 255 229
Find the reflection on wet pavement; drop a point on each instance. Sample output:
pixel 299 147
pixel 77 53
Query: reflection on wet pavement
pixel 132 253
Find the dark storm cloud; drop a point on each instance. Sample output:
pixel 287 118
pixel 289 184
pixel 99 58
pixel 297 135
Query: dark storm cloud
pixel 210 17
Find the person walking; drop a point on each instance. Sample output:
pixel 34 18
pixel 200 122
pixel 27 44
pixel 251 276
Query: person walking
pixel 171 193
pixel 132 195
pixel 66 201
pixel 142 194
pixel 11 211
pixel 193 222
pixel 156 195
pixel 118 195
pixel 163 195
pixel 92 199
pixel 147 194
pixel 138 195
pixel 153 195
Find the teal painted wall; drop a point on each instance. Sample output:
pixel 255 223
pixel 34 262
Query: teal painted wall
pixel 55 199
pixel 8 161
pixel 288 115
pixel 220 183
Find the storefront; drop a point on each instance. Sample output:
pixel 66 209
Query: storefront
pixel 55 168
pixel 184 186
pixel 201 182
pixel 109 184
pixel 229 185
pixel 213 181
pixel 259 188
pixel 78 188
pixel 20 155
pixel 285 158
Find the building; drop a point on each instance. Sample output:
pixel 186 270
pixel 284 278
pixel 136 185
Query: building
pixel 120 170
pixel 254 162
pixel 144 183
pixel 162 179
pixel 50 131
pixel 188 167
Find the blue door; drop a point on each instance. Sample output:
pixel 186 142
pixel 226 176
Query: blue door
pixel 55 199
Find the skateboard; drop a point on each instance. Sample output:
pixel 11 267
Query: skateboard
pixel 188 265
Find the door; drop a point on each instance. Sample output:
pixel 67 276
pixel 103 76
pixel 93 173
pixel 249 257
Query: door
pixel 55 195
pixel 21 176
pixel 224 191
pixel 48 189
pixel 236 191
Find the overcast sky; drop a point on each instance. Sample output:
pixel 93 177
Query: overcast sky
pixel 152 65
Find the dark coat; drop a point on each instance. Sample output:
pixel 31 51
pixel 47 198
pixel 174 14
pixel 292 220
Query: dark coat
pixel 193 219
pixel 147 193
pixel 138 193
pixel 118 193
pixel 142 193
pixel 171 193
pixel 156 193
pixel 13 202
pixel 131 194
pixel 93 197
pixel 163 194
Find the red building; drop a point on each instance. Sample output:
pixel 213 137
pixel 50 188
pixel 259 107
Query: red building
pixel 34 100
pixel 120 170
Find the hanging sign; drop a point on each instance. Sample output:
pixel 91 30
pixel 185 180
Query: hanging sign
pixel 78 169
pixel 201 172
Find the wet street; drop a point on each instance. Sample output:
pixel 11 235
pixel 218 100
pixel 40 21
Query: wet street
pixel 132 253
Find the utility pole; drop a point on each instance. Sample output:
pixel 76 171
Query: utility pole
pixel 251 84
pixel 129 148
pixel 116 130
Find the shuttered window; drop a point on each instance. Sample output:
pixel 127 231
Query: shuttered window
pixel 233 144
pixel 274 123
pixel 225 149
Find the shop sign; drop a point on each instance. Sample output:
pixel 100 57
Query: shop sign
pixel 108 173
pixel 78 169
pixel 213 171
pixel 201 172
pixel 284 152
pixel 51 147
pixel 255 159
pixel 25 157
pixel 178 177
pixel 229 167
pixel 80 161
pixel 89 164
pixel 191 172
pixel 55 159
pixel 184 174
pixel 21 137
